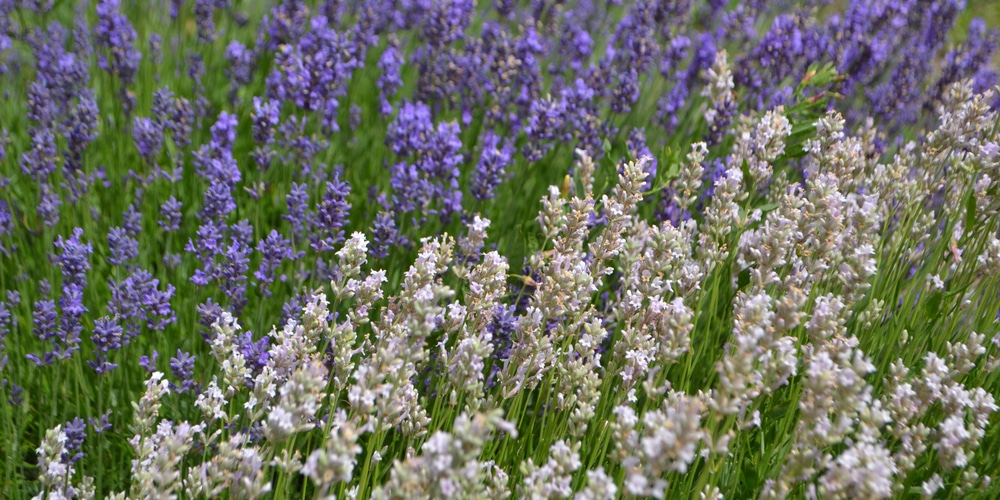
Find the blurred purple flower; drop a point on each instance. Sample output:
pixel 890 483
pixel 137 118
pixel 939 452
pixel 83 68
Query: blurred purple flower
pixel 107 337
pixel 123 247
pixel 170 213
pixel 182 367
pixel 491 170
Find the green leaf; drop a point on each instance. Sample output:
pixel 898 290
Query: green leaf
pixel 970 211
pixel 933 305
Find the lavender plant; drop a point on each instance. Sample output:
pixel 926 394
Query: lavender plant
pixel 377 249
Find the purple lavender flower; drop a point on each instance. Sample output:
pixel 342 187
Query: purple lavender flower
pixel 390 63
pixel 45 326
pixel 255 353
pixel 430 183
pixel 274 249
pixel 408 133
pixel 265 119
pixel 132 221
pixel 970 59
pixel 314 73
pixel 48 207
pixel 116 35
pixel 170 212
pixel 5 324
pixel 491 169
pixel 206 245
pixel 298 205
pixel 74 258
pixel 155 43
pixel 208 313
pixel 123 247
pixel 503 326
pixel 40 161
pixel 182 367
pixel 70 328
pixel 148 138
pixel 101 424
pixel 174 115
pixel 76 432
pixel 330 216
pixel 137 301
pixel 148 363
pixel 445 22
pixel 385 235
pixel 637 149
pixel 218 204
pixel 545 122
pixel 6 227
pixel 203 10
pixel 224 131
pixel 107 337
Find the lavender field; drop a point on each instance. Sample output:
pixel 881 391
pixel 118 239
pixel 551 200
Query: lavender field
pixel 531 249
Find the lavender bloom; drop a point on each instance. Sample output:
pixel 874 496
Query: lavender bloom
pixel 255 353
pixel 170 212
pixel 6 227
pixel 73 310
pixel 491 169
pixel 637 149
pixel 785 51
pixel 48 207
pixel 45 327
pixel 208 313
pixel 385 235
pixel 897 101
pixel 81 131
pixel 101 424
pixel 314 72
pixel 107 337
pixel 115 33
pixel 137 300
pixel 206 246
pixel 545 122
pixel 229 272
pixel 265 119
pixel 174 115
pixel 148 363
pixel 274 249
pixel 132 221
pixel 501 328
pixel 148 138
pixel 970 59
pixel 123 247
pixel 155 43
pixel 330 217
pixel 74 258
pixel 224 131
pixel 285 23
pixel 434 174
pixel 218 203
pixel 182 366
pixel 5 323
pixel 241 66
pixel 75 431
pixel 390 63
pixel 203 10
pixel 40 161
pixel 410 131
pixel 446 22
pixel 298 204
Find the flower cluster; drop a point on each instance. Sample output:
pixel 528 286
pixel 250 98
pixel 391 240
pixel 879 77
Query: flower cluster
pixel 588 250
